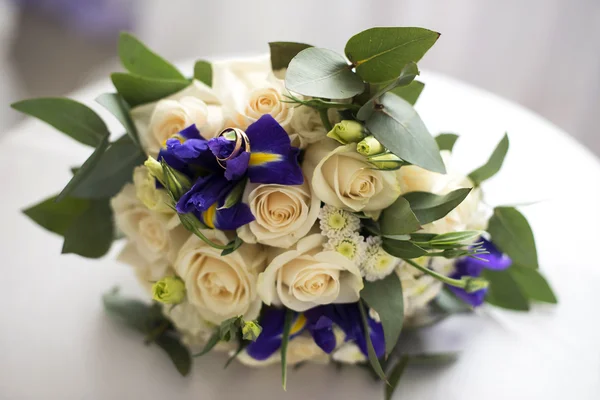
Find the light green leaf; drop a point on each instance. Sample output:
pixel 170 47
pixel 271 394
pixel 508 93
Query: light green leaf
pixel 370 349
pixel 177 352
pixel 446 141
pixel 385 296
pixel 532 284
pixel 210 344
pixel 137 90
pixel 399 219
pixel 379 54
pixel 235 196
pixel 395 375
pixel 454 238
pixel 115 103
pixel 322 73
pixel 493 165
pixel 84 171
pixel 403 249
pixel 396 124
pixel 512 234
pixel 433 358
pixel 91 234
pixel 203 72
pixel 140 60
pixel 57 216
pixel 411 92
pixel 429 207
pixel 283 52
pixel 407 76
pixel 503 291
pixel 285 338
pixel 112 171
pixel 68 116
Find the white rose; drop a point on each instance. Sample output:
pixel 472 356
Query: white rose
pixel 197 104
pixel 343 178
pixel 157 236
pixel 300 349
pixel 145 271
pixel 306 127
pixel 221 287
pixel 284 214
pixel 260 101
pixel 307 276
pixel 152 197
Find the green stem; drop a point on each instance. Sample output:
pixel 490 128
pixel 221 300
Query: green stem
pixel 325 119
pixel 452 282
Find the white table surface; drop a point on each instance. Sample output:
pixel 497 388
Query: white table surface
pixel 56 342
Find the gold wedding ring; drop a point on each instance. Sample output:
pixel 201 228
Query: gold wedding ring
pixel 240 140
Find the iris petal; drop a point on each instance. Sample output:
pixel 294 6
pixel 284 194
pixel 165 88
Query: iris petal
pixel 229 219
pixel 204 193
pixel 269 340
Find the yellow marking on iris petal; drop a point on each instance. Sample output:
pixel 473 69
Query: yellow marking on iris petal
pixel 175 136
pixel 209 216
pixel 298 325
pixel 263 158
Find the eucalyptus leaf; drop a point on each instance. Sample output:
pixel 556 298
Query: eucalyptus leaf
pixel 115 103
pixel 138 90
pixel 385 297
pixel 134 313
pixel 403 249
pixel 429 207
pixel 84 171
pixel 177 352
pixel 285 338
pixel 533 284
pixel 446 141
pixel 140 60
pixel 68 116
pixel 283 52
pixel 203 72
pixel 512 234
pixel 370 349
pixel 379 54
pixel 57 216
pixel 112 171
pixel 407 76
pixel 91 233
pixel 411 92
pixel 399 219
pixel 396 124
pixel 394 376
pixel 322 73
pixel 493 165
pixel 503 291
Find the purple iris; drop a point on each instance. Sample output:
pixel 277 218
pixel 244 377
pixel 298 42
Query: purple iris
pixel 468 266
pixel 271 159
pixel 269 340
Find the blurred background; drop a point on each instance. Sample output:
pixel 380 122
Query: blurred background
pixel 542 54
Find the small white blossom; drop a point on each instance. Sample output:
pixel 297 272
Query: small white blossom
pixel 337 223
pixel 377 263
pixel 352 247
pixel 374 315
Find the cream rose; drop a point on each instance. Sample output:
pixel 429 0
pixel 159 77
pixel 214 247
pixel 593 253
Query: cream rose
pixel 284 214
pixel 260 101
pixel 145 271
pixel 308 276
pixel 157 122
pixel 306 127
pixel 343 178
pixel 221 287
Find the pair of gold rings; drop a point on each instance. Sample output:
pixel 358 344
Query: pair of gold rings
pixel 240 140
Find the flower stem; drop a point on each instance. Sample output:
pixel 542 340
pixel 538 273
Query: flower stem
pixel 325 119
pixel 452 282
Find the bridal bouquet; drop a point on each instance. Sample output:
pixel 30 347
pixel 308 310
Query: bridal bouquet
pixel 289 209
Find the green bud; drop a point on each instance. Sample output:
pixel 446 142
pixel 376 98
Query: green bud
pixel 235 196
pixel 347 131
pixel 175 182
pixel 473 284
pixel 251 330
pixel 155 168
pixel 169 290
pixel 369 146
pixel 386 161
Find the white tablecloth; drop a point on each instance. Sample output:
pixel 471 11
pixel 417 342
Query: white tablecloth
pixel 56 342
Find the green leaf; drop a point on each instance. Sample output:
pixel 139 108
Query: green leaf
pixel 385 296
pixel 398 219
pixel 379 54
pixel 112 171
pixel 283 52
pixel 407 76
pixel 411 92
pixel 454 238
pixel 532 284
pixel 370 349
pixel 396 124
pixel 140 60
pixel 137 90
pixel 203 72
pixel 433 358
pixel 177 352
pixel 134 313
pixel 232 246
pixel 210 344
pixel 395 375
pixel 84 171
pixel 68 116
pixel 91 234
pixel 493 165
pixel 57 216
pixel 512 234
pixel 241 346
pixel 446 141
pixel 504 291
pixel 322 73
pixel 447 302
pixel 115 103
pixel 285 338
pixel 429 207
pixel 403 249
